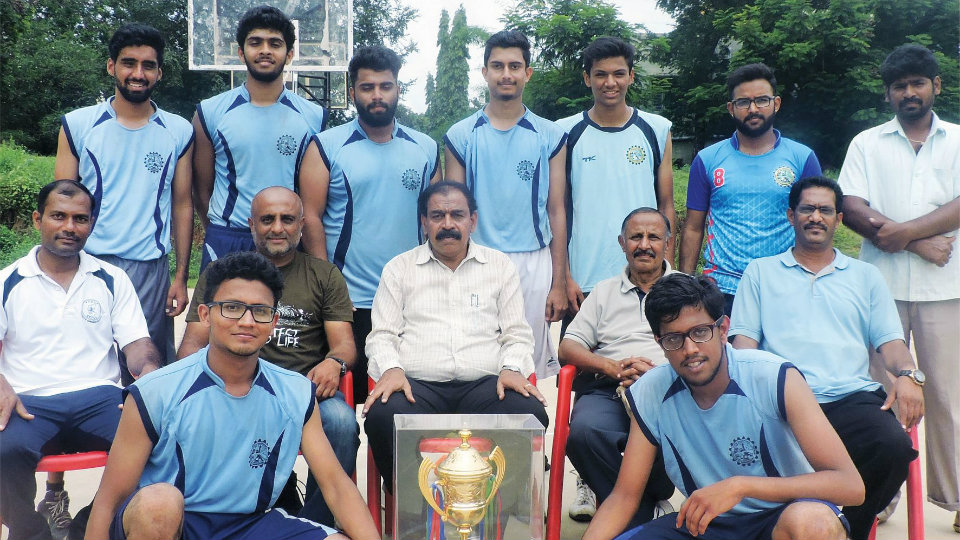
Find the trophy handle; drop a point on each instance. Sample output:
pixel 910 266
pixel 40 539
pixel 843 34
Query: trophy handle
pixel 425 466
pixel 497 458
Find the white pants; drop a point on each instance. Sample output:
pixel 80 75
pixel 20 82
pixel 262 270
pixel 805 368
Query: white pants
pixel 536 276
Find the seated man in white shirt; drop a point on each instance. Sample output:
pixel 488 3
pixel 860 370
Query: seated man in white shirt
pixel 449 334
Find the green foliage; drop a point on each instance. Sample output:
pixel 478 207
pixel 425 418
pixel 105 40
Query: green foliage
pixel 16 242
pixel 21 177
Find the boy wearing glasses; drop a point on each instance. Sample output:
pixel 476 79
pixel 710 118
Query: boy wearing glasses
pixel 741 434
pixel 738 187
pixel 822 310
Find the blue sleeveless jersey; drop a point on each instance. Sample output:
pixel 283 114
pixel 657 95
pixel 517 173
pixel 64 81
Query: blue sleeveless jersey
pixel 509 174
pixel 745 433
pixel 371 213
pixel 130 173
pixel 255 147
pixel 224 453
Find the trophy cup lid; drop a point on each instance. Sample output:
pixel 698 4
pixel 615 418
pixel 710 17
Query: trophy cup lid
pixel 464 461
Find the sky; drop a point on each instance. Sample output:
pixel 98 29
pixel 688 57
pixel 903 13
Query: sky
pixel 486 14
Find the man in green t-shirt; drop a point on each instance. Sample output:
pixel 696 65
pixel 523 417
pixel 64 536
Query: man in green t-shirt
pixel 313 335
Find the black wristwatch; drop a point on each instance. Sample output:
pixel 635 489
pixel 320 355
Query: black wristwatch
pixel 915 375
pixel 343 365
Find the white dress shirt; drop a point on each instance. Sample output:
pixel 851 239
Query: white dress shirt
pixel 440 324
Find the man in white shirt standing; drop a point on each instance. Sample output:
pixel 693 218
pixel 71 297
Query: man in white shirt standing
pixel 902 181
pixel 449 333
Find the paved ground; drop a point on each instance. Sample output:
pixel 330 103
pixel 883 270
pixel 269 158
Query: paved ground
pixel 82 486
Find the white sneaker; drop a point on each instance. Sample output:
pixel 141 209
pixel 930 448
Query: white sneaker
pixel 663 508
pixel 885 514
pixel 584 504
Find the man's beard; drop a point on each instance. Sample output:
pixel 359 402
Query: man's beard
pixel 915 114
pixel 378 119
pixel 267 77
pixel 138 96
pixel 764 127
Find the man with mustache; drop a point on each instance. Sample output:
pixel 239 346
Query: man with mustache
pixel 822 310
pixel 251 137
pixel 738 187
pixel 611 344
pixel 312 336
pixel 360 181
pixel 902 185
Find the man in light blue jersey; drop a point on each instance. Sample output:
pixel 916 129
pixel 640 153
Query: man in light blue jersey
pixel 251 137
pixel 514 163
pixel 181 469
pixel 822 310
pixel 618 158
pixel 360 182
pixel 741 434
pixel 738 187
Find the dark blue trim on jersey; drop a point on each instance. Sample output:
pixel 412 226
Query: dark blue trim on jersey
pixel 453 150
pixel 66 132
pixel 645 430
pixel 312 405
pixel 403 135
pixel 103 118
pixel 811 167
pixel 481 120
pixel 675 388
pixel 301 150
pixel 262 382
pixel 265 496
pixel 323 154
pixel 203 123
pixel 734 389
pixel 134 392
pixel 323 121
pixel 9 284
pixel 524 123
pixel 203 380
pixel 768 467
pixel 157 218
pixel 559 146
pixel 98 189
pixel 534 199
pixel 179 481
pixel 781 388
pixel 232 191
pixel 107 279
pixel 187 146
pixel 436 165
pixel 699 186
pixel 354 137
pixel 688 484
pixel 236 103
pixel 285 100
pixel 343 243
pixel 159 121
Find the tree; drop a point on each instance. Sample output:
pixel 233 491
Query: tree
pixel 447 91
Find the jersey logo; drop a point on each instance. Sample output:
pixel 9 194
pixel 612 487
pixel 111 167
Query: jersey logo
pixel 590 158
pixel 286 145
pixel 784 176
pixel 91 311
pixel 259 454
pixel 525 170
pixel 744 452
pixel 636 154
pixel 410 179
pixel 153 162
pixel 718 177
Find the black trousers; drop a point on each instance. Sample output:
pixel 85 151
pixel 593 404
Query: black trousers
pixel 361 327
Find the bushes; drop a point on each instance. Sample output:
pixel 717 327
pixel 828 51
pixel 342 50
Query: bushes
pixel 21 176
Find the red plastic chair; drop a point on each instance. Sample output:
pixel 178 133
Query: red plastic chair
pixel 914 496
pixel 561 431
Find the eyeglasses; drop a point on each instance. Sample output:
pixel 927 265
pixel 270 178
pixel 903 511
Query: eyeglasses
pixel 697 334
pixel 236 310
pixel 761 102
pixel 809 209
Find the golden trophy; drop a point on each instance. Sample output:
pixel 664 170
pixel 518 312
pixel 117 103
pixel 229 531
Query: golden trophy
pixel 462 476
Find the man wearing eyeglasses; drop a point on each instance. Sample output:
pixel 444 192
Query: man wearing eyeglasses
pixel 738 187
pixel 821 310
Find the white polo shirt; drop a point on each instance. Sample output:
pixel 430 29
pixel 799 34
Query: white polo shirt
pixel 882 168
pixel 56 341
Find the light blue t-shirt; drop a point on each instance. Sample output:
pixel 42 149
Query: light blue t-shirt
pixel 130 173
pixel 746 199
pixel 823 323
pixel 224 453
pixel 610 172
pixel 255 147
pixel 371 213
pixel 509 174
pixel 745 433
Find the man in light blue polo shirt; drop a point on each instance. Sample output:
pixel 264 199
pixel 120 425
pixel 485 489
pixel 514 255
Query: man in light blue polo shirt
pixel 822 311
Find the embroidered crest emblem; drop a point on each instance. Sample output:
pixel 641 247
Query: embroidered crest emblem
pixel 410 179
pixel 286 145
pixel 259 454
pixel 744 452
pixel 91 311
pixel 784 176
pixel 636 154
pixel 525 170
pixel 153 162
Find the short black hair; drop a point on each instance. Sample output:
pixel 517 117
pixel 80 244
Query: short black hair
pixel 645 210
pixel 815 181
pixel 376 58
pixel 133 35
pixel 267 17
pixel 607 47
pixel 248 265
pixel 506 39
pixel 69 188
pixel 445 186
pixel 907 60
pixel 750 72
pixel 673 292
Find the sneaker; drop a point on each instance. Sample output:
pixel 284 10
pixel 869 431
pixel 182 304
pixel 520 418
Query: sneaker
pixel 585 504
pixel 885 514
pixel 55 509
pixel 663 508
pixel 956 523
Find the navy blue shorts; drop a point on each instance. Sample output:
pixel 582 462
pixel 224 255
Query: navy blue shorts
pixel 274 524
pixel 756 526
pixel 219 241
